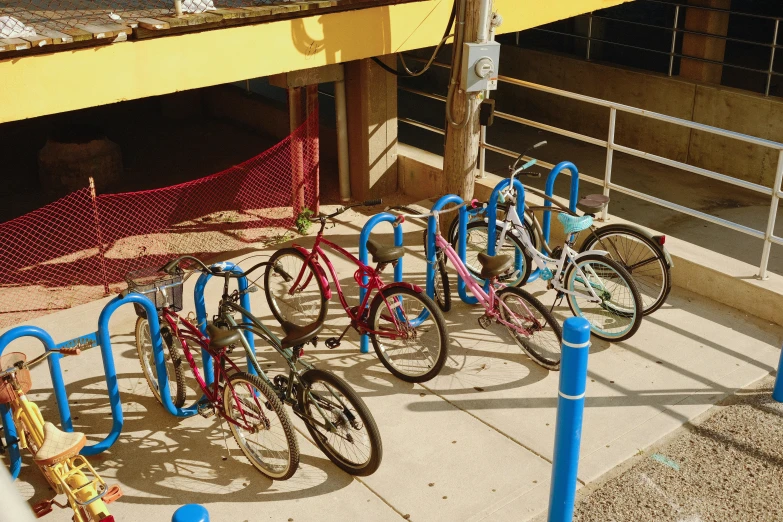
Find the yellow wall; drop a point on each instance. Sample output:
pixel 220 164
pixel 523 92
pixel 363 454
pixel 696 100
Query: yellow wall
pixel 46 84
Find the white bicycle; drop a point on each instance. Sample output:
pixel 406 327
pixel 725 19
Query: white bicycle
pixel 595 286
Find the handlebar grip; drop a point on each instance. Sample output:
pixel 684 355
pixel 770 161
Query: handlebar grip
pixel 170 267
pixel 70 351
pixel 474 203
pixel 372 202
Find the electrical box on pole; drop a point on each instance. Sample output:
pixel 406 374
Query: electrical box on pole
pixel 480 66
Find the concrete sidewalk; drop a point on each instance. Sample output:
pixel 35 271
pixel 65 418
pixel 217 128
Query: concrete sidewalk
pixel 475 443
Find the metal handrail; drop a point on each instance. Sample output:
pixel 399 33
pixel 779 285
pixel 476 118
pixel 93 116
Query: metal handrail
pixel 769 71
pixel 775 193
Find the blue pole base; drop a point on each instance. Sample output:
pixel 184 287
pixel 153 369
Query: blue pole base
pixel 777 391
pixel 191 513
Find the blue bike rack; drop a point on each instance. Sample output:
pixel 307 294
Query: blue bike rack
pixel 383 217
pixel 201 316
pixel 461 248
pixel 570 410
pixel 777 391
pixel 492 218
pixel 573 195
pixel 61 396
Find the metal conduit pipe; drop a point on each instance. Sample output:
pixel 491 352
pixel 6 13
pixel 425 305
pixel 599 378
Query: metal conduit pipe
pixel 343 165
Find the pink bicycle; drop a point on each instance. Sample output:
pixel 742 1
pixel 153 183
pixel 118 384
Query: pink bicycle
pixel 529 322
pixel 407 330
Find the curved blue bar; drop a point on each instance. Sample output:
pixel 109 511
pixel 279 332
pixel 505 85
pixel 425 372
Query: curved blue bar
pixel 573 195
pixel 111 373
pixel 461 247
pixel 570 409
pixel 492 217
pixel 777 391
pixel 57 383
pixel 383 217
pixel 201 316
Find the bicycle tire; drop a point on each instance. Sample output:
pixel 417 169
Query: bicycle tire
pixel 442 288
pixel 272 404
pixel 535 238
pixel 173 362
pixel 611 309
pixel 512 246
pixel 641 257
pixel 292 308
pixel 307 394
pixel 402 296
pixel 544 349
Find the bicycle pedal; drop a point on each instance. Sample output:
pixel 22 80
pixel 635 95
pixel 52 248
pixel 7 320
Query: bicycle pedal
pixel 112 494
pixel 42 508
pixel 332 343
pixel 206 410
pixel 485 321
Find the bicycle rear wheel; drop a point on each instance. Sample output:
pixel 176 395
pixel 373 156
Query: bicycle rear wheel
pixel 619 313
pixel 264 433
pixel 641 257
pixel 307 304
pixel 420 348
pixel 534 330
pixel 350 438
pixel 173 360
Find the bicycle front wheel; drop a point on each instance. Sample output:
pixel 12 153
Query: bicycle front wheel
pixel 615 312
pixel 301 305
pixel 532 326
pixel 172 357
pixel 340 423
pixel 641 257
pixel 416 347
pixel 263 430
pixel 476 243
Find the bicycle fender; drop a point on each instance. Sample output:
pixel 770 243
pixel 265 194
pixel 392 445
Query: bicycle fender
pixel 646 233
pixel 403 284
pixel 319 272
pixel 589 253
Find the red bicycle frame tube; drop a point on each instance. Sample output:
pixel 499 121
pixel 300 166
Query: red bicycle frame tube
pixel 374 281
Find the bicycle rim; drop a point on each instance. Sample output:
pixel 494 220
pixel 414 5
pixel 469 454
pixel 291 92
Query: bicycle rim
pixel 147 361
pixel 265 434
pixel 419 350
pixel 340 423
pixel 534 330
pixel 644 263
pixel 618 314
pixel 307 304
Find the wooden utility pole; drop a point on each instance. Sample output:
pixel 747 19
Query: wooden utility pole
pixel 462 143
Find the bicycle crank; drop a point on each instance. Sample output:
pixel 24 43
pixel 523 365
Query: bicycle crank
pixel 485 321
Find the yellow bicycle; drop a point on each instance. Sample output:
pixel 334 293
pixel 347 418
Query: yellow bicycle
pixel 55 452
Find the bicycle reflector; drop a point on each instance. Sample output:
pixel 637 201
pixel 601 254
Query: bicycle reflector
pixel 661 240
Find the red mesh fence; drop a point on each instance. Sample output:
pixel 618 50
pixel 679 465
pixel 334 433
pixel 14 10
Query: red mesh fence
pixel 79 248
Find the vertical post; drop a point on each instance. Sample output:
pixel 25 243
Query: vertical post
pixel 570 409
pixel 313 163
pixel 482 152
pixel 98 236
pixel 777 391
pixel 773 214
pixel 674 38
pixel 295 119
pixel 343 159
pixel 191 513
pixel 589 33
pixel 772 57
pixel 178 7
pixel 609 158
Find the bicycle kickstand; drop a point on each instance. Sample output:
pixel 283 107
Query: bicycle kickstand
pixel 558 299
pixel 334 342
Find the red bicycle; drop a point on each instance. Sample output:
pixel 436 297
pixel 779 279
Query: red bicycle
pixel 405 326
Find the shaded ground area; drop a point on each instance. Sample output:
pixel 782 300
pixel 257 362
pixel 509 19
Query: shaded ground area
pixel 728 467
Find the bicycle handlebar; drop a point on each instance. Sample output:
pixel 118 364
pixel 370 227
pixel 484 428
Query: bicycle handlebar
pixel 171 266
pixel 29 364
pixel 474 203
pixel 367 203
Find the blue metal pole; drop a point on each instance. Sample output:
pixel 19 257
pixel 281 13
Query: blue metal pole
pixel 573 195
pixel 364 236
pixel 492 216
pixel 461 247
pixel 777 391
pixel 191 513
pixel 11 441
pixel 201 316
pixel 570 408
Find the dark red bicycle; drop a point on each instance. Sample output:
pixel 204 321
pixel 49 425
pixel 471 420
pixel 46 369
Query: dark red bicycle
pixel 405 326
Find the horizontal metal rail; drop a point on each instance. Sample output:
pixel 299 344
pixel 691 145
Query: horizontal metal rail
pixel 775 192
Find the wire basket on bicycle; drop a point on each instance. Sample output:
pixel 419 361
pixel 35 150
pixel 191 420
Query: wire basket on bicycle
pixel 166 289
pixel 22 376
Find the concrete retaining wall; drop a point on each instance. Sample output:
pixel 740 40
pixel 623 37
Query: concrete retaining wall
pixel 722 107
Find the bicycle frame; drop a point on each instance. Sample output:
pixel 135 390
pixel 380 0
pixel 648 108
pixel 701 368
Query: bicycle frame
pixel 513 223
pixel 213 396
pixel 374 283
pixel 485 299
